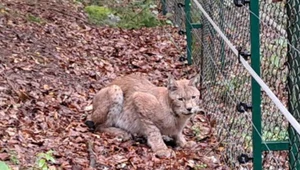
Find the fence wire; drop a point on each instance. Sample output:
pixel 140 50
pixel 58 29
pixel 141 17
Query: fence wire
pixel 226 83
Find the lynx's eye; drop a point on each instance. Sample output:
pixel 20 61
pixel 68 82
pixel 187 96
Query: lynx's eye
pixel 180 99
pixel 193 97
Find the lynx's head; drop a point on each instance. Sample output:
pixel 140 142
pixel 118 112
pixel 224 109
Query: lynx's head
pixel 184 96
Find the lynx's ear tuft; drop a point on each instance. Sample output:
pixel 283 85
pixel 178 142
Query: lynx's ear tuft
pixel 194 81
pixel 172 84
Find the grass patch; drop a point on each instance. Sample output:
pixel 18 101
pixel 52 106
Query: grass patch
pixel 33 18
pixel 144 17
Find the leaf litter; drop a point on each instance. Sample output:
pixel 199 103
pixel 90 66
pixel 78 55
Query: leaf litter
pixel 49 73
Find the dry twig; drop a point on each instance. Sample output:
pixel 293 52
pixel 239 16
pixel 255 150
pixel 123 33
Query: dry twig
pixel 92 156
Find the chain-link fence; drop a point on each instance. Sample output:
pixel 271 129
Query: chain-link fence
pixel 227 88
pixel 293 62
pixel 225 81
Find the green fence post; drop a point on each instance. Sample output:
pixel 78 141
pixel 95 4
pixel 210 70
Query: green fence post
pixel 164 7
pixel 188 29
pixel 256 97
pixel 222 51
pixel 293 33
pixel 201 56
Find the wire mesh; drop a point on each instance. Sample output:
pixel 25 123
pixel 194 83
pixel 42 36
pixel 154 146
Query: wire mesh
pixel 293 55
pixel 226 82
pixel 175 14
pixel 274 73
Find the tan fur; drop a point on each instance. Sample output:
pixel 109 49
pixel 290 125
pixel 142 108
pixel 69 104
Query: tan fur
pixel 133 105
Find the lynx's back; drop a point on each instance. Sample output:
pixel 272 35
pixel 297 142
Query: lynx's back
pixel 133 83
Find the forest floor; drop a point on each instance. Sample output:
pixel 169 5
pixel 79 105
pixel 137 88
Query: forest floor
pixel 52 62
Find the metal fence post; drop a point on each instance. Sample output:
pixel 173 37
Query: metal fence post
pixel 222 51
pixel 164 7
pixel 188 29
pixel 256 96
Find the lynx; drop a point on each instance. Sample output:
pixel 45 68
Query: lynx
pixel 133 105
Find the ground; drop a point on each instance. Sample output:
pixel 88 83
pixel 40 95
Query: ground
pixel 52 62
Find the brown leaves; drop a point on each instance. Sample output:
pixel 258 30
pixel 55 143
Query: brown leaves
pixel 4 156
pixel 50 71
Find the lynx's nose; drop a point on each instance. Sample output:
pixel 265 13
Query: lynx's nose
pixel 189 109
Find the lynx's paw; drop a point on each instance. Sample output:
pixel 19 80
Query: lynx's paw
pixel 190 144
pixel 165 153
pixel 124 136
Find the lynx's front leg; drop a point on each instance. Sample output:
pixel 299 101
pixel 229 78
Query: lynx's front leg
pixel 180 141
pixel 147 105
pixel 155 140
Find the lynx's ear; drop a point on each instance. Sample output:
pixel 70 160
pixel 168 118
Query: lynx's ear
pixel 172 84
pixel 194 81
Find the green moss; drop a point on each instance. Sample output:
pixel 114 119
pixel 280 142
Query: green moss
pixel 132 15
pixel 97 14
pixel 132 20
pixel 138 15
